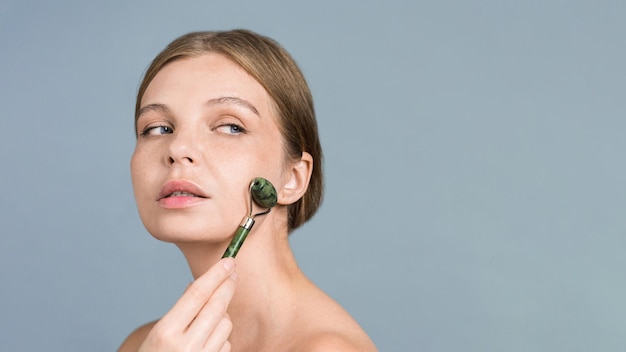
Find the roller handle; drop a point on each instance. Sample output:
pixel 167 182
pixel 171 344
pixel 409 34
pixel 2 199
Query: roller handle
pixel 240 236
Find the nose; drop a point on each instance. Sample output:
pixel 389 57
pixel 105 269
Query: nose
pixel 183 148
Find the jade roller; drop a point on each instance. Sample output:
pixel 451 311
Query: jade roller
pixel 264 194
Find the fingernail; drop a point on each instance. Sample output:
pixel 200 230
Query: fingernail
pixel 234 276
pixel 229 263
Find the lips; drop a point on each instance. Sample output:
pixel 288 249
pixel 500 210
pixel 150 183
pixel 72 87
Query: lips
pixel 181 188
pixel 181 194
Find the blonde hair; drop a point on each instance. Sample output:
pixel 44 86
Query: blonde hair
pixel 272 66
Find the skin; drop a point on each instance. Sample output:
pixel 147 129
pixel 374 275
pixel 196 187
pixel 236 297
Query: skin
pixel 207 122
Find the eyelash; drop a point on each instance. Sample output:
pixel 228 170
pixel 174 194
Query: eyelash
pixel 239 129
pixel 149 129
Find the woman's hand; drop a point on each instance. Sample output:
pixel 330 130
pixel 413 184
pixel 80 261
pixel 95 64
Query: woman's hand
pixel 198 321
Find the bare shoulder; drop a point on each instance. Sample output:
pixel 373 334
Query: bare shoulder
pixel 333 341
pixel 136 338
pixel 323 325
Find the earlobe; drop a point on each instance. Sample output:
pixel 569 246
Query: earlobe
pixel 297 180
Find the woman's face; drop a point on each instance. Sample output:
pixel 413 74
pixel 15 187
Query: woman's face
pixel 206 129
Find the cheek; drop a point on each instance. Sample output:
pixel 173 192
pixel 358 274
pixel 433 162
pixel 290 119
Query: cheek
pixel 137 172
pixel 135 166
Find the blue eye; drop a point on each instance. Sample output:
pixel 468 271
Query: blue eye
pixel 231 128
pixel 156 130
pixel 235 129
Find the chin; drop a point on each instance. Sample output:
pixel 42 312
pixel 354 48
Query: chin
pixel 187 231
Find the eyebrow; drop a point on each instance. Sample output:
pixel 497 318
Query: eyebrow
pixel 216 101
pixel 153 107
pixel 234 101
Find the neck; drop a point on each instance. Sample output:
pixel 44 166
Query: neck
pixel 267 271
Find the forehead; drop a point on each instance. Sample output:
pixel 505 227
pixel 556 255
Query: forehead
pixel 205 77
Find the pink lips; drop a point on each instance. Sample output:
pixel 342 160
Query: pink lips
pixel 177 194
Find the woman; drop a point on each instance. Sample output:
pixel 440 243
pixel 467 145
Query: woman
pixel 214 111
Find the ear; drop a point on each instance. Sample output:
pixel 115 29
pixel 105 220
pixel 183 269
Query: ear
pixel 296 180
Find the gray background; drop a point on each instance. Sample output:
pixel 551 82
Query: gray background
pixel 474 162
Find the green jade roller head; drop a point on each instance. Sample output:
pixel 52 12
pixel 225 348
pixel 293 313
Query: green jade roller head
pixel 264 194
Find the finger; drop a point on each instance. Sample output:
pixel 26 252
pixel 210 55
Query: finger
pixel 197 294
pixel 219 338
pixel 213 312
pixel 226 347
